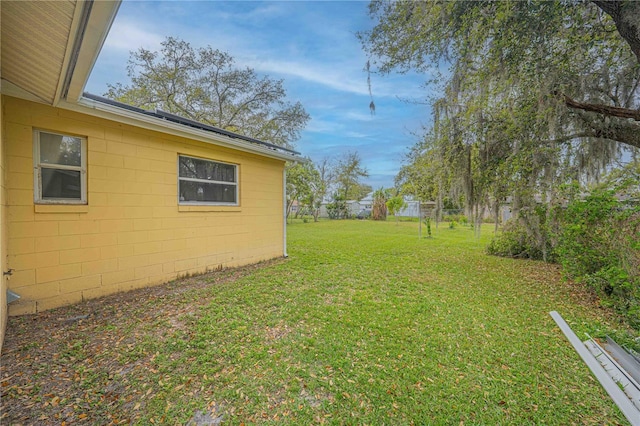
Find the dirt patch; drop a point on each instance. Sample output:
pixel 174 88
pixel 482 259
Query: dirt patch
pixel 315 399
pixel 209 418
pixel 277 332
pixel 58 367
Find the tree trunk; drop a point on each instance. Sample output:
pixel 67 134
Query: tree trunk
pixel 626 15
pixel 289 205
pixel 496 211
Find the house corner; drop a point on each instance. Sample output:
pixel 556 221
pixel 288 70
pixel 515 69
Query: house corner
pixel 3 257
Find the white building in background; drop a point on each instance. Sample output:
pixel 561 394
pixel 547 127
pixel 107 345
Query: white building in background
pixel 412 209
pixel 353 207
pixel 367 202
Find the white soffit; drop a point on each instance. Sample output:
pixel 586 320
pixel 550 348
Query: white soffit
pixel 34 43
pixel 49 47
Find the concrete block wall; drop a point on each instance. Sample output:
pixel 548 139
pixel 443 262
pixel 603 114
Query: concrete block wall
pixel 3 234
pixel 133 233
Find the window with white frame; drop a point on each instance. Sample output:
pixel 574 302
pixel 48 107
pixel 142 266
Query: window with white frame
pixel 60 168
pixel 203 181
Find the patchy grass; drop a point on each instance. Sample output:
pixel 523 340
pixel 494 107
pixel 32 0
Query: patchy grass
pixel 363 324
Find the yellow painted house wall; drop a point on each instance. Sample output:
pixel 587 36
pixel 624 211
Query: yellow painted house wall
pixel 132 233
pixel 3 227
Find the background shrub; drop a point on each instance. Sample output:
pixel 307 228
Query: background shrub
pixel 516 241
pixel 600 246
pixel 595 239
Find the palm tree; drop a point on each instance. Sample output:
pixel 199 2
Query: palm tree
pixel 379 208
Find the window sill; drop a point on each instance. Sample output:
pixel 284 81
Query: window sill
pixel 61 208
pixel 205 208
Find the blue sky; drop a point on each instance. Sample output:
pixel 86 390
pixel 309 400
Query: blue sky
pixel 312 46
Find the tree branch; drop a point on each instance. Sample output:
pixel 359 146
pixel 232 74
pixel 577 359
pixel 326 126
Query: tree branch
pixel 605 110
pixel 622 131
pixel 571 137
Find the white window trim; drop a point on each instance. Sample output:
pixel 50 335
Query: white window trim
pixel 209 203
pixel 37 170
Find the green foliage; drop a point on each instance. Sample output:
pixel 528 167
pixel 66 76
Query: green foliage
pixel 532 234
pixel 347 174
pixel 460 218
pixel 585 234
pixel 205 85
pixel 600 246
pixel 306 186
pixel 527 108
pixel 424 175
pixel 395 204
pixel 337 208
pixel 506 124
pixel 515 241
pixel 595 238
pixel 427 222
pixel 507 57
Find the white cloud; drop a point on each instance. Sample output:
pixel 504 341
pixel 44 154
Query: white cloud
pixel 127 35
pixel 265 11
pixel 343 77
pixel 359 116
pixel 356 135
pixel 314 73
pixel 321 126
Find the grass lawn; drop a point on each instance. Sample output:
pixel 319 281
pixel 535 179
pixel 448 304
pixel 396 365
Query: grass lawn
pixel 363 324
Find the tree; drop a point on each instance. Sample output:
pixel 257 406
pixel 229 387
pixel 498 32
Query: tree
pixel 379 207
pixel 348 173
pixel 307 184
pixel 299 186
pixel 337 208
pixel 204 85
pixel 425 175
pixel 320 186
pixel 567 56
pixel 395 204
pixel 361 191
pixel 538 95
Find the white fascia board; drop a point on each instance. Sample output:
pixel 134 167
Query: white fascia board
pixel 114 113
pixel 68 62
pixel 89 31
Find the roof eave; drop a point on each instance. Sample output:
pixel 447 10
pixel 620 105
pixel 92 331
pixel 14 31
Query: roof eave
pixel 91 26
pixel 7 88
pixel 110 112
